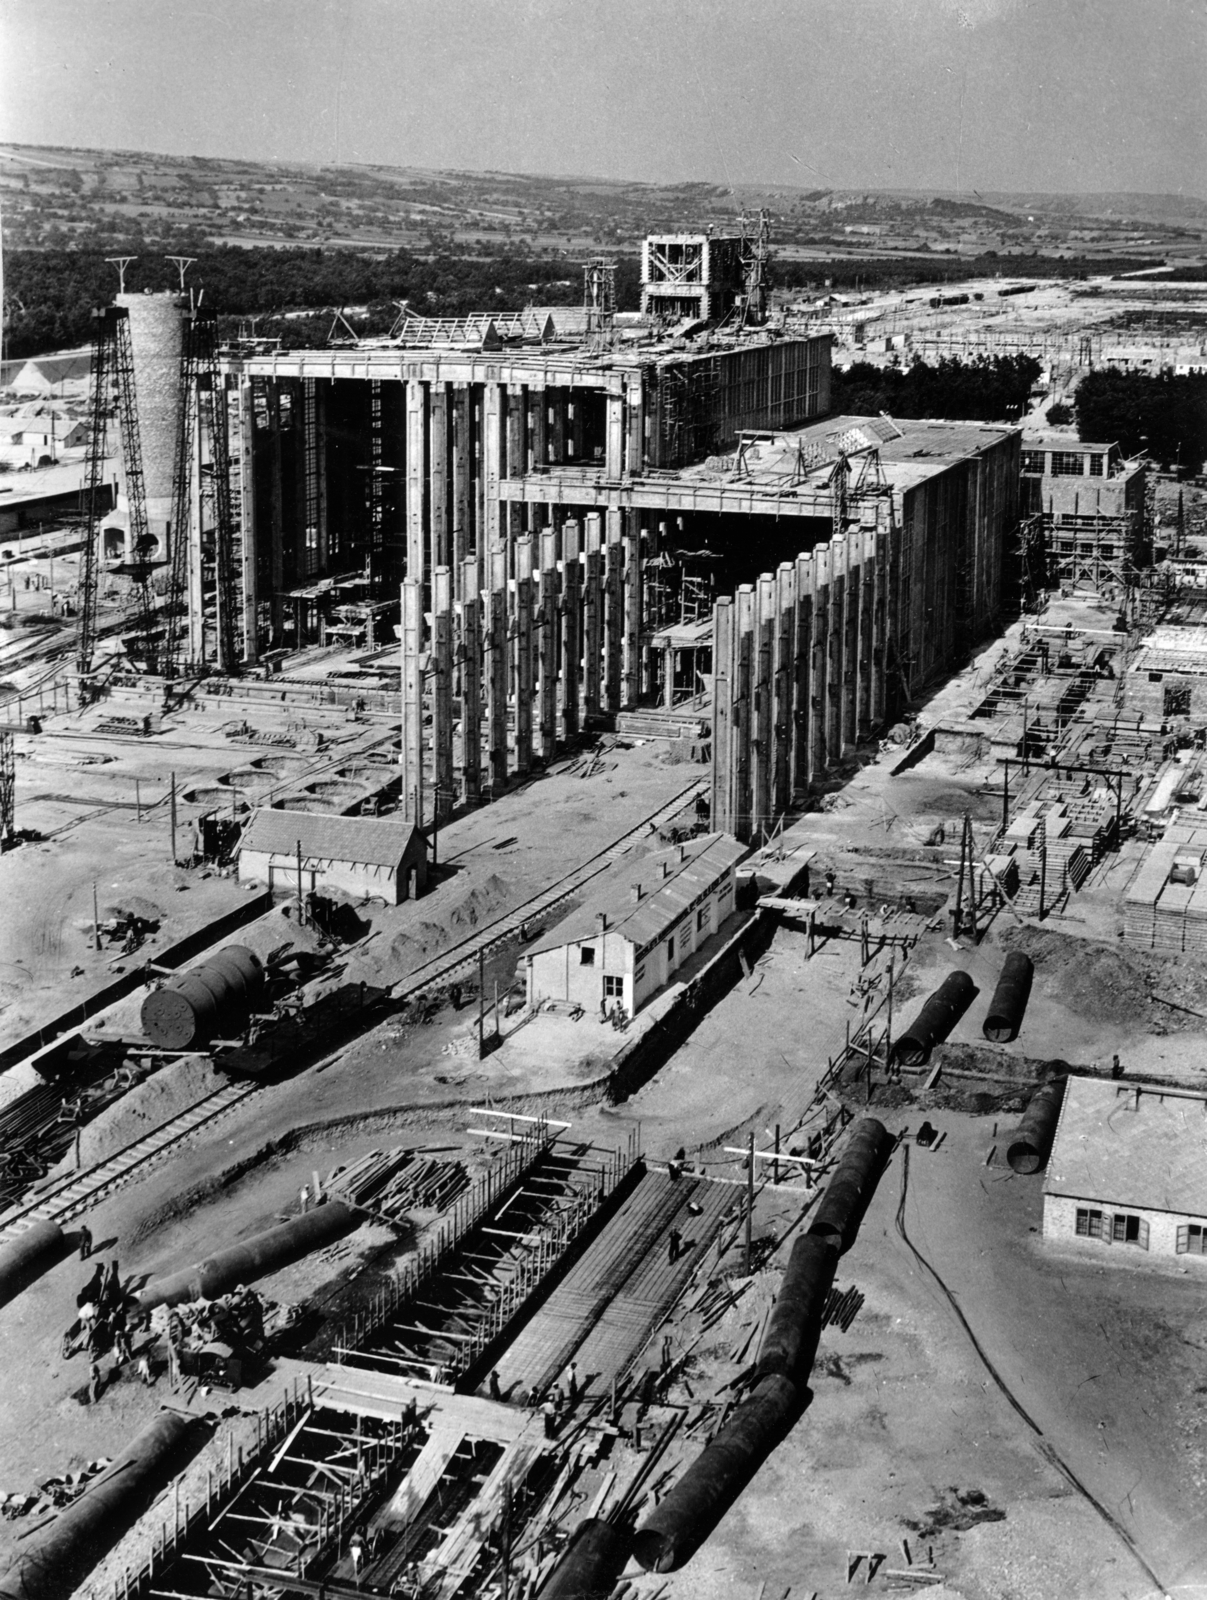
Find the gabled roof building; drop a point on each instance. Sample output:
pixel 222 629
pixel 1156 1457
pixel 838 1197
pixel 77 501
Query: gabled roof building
pixel 369 857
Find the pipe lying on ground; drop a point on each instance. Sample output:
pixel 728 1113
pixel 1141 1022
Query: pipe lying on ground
pixel 201 1004
pixel 691 1510
pixel 1031 1145
pixel 58 1558
pixel 938 1016
pixel 28 1256
pixel 591 1563
pixel 789 1345
pixel 852 1184
pixel 1009 1004
pixel 252 1259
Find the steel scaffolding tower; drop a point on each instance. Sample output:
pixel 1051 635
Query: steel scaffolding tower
pixel 8 786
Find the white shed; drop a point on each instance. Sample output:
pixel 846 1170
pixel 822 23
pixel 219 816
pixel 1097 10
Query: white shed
pixel 375 857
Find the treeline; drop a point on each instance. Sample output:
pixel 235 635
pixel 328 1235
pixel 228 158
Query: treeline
pixel 989 389
pixel 1165 416
pixel 903 272
pixel 50 294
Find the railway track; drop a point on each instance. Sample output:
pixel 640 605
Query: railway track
pixel 78 1192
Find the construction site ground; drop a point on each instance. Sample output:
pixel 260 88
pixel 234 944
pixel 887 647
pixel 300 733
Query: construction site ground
pixel 1018 1412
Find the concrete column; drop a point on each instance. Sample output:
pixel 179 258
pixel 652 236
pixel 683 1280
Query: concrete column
pixel 416 480
pixel 195 579
pixel 762 737
pixel 517 454
pixel 322 393
pixel 880 628
pixel 247 524
pixel 725 714
pixel 576 434
pixel 782 705
pixel 835 638
pixel 614 448
pixel 495 637
pixel 462 531
pixel 412 699
pixel 548 658
pixel 634 446
pixel 613 612
pixel 557 403
pixel 441 673
pixel 850 641
pixel 743 687
pixel 523 635
pixel 631 652
pixel 438 475
pixel 803 688
pixel 568 717
pixel 492 428
pixel 819 750
pixel 471 682
pixel 540 428
pixel 592 617
pixel 276 524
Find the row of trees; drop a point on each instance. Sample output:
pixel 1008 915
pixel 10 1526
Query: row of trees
pixel 989 389
pixel 1165 415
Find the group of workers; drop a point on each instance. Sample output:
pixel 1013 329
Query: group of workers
pixel 104 1324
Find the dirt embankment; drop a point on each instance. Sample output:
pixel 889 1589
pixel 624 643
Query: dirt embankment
pixel 1114 983
pixel 142 1109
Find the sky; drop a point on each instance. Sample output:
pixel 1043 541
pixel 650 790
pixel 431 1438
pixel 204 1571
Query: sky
pixel 965 95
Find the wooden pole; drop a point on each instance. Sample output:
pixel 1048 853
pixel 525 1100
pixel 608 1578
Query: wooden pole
pixel 172 816
pixel 96 921
pixel 301 902
pixel 749 1201
pixel 137 800
pixel 481 1003
pixel 775 1165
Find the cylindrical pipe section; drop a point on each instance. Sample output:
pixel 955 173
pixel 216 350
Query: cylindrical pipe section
pixel 252 1259
pixel 28 1256
pixel 591 1563
pixel 934 1022
pixel 1031 1146
pixel 790 1343
pixel 1009 1004
pixel 195 1006
pixel 58 1558
pixel 852 1184
pixel 707 1489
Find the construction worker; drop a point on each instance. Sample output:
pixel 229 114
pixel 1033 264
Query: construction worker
pixel 492 1385
pixel 572 1382
pixel 356 1549
pixel 304 1197
pixel 85 1242
pixel 675 1244
pixel 95 1382
pixel 144 1369
pixel 549 1412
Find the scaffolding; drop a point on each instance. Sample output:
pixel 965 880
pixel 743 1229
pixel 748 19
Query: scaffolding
pixel 8 786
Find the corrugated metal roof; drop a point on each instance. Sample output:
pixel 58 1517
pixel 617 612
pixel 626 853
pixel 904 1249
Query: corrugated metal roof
pixel 1127 1146
pixel 691 869
pixel 368 841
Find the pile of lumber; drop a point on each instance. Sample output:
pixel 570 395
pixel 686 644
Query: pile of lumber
pixel 391 1182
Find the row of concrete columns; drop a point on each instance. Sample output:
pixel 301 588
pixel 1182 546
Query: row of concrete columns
pixel 516 655
pixel 799 673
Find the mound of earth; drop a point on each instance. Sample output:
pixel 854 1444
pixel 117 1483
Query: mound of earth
pixel 1114 983
pixel 147 1106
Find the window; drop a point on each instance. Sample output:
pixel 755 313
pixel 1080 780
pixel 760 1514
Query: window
pixel 1096 465
pixel 639 973
pixel 1066 464
pixel 1176 700
pixel 1127 1229
pixel 1033 462
pixel 613 988
pixel 702 918
pixel 586 955
pixel 1192 1239
pixel 1089 1224
pixel 670 948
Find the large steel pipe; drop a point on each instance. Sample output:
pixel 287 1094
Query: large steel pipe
pixel 196 1006
pixel 591 1563
pixel 28 1256
pixel 1031 1145
pixel 1009 1004
pixel 934 1022
pixel 59 1557
pixel 252 1259
pixel 852 1184
pixel 790 1343
pixel 707 1489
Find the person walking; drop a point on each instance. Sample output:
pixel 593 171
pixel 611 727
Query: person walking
pixel 85 1242
pixel 95 1381
pixel 549 1413
pixel 492 1385
pixel 144 1369
pixel 572 1382
pixel 675 1245
pixel 304 1197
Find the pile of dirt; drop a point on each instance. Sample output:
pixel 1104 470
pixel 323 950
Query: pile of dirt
pixel 147 1106
pixel 1112 983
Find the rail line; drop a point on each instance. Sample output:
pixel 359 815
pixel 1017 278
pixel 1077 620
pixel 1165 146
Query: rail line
pixel 77 1192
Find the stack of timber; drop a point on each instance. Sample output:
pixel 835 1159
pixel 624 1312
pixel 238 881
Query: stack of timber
pixel 1165 904
pixel 391 1182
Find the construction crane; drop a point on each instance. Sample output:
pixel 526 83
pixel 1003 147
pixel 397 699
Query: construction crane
pixel 113 374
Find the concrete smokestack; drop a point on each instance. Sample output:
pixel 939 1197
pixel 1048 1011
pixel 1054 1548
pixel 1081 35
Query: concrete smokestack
pixel 155 336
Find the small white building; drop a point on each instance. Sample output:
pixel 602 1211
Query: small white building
pixel 377 858
pixel 1129 1167
pixel 641 923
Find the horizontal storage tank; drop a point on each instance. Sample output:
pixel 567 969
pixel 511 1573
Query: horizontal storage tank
pixel 934 1022
pixel 852 1184
pixel 28 1256
pixel 207 1001
pixel 1031 1145
pixel 1009 1004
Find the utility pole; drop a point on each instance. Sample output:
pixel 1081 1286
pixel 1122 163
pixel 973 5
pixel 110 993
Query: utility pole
pixel 96 921
pixel 172 814
pixel 301 904
pixel 749 1201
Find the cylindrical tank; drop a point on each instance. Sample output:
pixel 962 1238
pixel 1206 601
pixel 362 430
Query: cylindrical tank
pixel 59 1557
pixel 196 1006
pixel 596 1555
pixel 156 331
pixel 1031 1145
pixel 243 1263
pixel 1009 1004
pixel 28 1256
pixel 938 1016
pixel 852 1184
pixel 790 1342
pixel 707 1489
